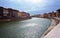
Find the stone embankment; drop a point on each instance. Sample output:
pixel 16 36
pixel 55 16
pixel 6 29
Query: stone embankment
pixel 54 22
pixel 54 33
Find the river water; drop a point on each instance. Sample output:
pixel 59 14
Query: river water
pixel 31 28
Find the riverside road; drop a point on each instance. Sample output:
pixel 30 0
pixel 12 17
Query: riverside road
pixel 31 28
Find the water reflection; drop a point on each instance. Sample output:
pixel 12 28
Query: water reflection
pixel 32 28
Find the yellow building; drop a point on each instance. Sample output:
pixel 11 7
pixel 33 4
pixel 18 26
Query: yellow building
pixel 19 14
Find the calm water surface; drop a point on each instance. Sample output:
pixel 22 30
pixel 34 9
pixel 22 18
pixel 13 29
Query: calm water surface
pixel 32 28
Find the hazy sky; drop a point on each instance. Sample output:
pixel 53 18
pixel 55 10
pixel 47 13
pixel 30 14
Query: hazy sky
pixel 32 6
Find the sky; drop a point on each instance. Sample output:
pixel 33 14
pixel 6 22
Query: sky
pixel 32 6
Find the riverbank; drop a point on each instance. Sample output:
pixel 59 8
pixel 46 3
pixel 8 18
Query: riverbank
pixel 13 19
pixel 54 22
pixel 54 33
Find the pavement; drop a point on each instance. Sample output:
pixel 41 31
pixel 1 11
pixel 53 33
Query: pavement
pixel 54 33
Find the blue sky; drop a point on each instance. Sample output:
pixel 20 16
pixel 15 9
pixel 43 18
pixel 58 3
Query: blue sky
pixel 32 6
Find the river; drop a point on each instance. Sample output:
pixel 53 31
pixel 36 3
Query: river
pixel 31 28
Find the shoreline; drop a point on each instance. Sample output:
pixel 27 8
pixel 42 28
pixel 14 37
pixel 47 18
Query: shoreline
pixel 13 19
pixel 54 23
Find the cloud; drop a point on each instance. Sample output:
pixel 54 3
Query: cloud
pixel 15 1
pixel 31 5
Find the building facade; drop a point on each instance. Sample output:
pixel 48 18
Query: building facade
pixel 45 15
pixel 1 12
pixel 53 14
pixel 12 13
pixel 58 13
